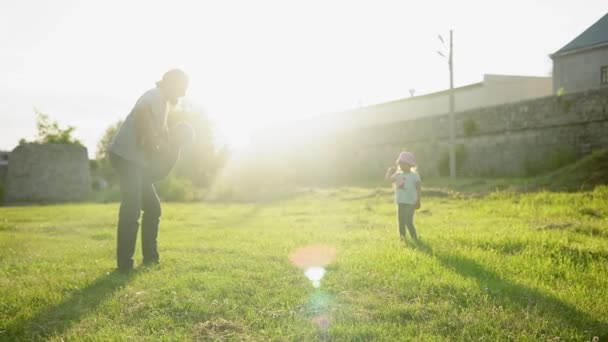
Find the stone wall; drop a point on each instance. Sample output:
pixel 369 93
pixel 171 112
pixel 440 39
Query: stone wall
pixel 507 140
pixel 48 172
pixel 3 165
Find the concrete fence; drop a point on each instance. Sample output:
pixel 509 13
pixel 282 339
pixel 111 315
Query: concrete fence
pixel 48 172
pixel 508 140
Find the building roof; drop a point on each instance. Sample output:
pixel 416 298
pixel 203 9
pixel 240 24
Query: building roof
pixel 594 36
pixel 486 78
pixel 417 97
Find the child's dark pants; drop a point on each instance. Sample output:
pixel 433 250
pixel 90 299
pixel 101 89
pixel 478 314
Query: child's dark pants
pixel 405 215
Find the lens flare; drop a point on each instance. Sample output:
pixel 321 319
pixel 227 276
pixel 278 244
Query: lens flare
pixel 313 259
pixel 313 256
pixel 315 274
pixel 322 322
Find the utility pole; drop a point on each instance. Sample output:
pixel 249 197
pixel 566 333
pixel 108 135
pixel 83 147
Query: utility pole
pixel 451 120
pixel 451 115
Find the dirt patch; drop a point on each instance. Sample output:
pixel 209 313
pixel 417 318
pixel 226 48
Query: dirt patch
pixel 5 227
pixel 439 193
pixel 102 236
pixel 591 230
pixel 555 225
pixel 372 194
pixel 218 330
pixel 590 212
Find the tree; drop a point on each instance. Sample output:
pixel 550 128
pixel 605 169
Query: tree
pixel 102 156
pixel 200 161
pixel 49 131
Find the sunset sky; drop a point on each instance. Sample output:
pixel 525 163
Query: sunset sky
pixel 256 63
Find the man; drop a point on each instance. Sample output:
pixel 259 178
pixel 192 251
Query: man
pixel 142 134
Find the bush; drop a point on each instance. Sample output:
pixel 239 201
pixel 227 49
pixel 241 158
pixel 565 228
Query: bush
pixel 176 189
pixel 1 191
pixel 584 174
pixel 50 133
pixel 105 195
pixel 171 189
pixel 103 168
pixel 95 185
pixel 443 165
pixel 257 193
pixel 469 127
pixel 552 161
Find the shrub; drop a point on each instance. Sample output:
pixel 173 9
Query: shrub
pixel 176 189
pixel 1 191
pixel 443 165
pixel 96 185
pixel 107 194
pixel 469 127
pixel 552 161
pixel 103 167
pixel 585 174
pixel 50 133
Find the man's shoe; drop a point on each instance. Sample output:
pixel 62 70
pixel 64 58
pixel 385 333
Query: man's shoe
pixel 150 263
pixel 124 270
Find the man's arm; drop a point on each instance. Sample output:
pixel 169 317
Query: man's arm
pixel 147 135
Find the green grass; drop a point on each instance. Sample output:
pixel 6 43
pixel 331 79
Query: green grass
pixel 584 174
pixel 507 266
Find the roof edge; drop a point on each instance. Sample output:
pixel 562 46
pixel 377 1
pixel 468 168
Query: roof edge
pixel 578 50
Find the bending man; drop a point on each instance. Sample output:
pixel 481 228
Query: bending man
pixel 141 135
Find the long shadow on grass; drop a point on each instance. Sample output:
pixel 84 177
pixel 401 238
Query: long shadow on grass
pixel 510 294
pixel 237 219
pixel 55 320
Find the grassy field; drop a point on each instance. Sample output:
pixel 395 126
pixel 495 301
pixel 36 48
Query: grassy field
pixel 507 266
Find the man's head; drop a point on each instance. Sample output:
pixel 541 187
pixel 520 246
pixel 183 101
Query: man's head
pixel 173 85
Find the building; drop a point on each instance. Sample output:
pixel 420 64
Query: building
pixel 582 64
pixel 493 90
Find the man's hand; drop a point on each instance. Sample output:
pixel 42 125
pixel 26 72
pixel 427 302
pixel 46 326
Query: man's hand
pixel 418 205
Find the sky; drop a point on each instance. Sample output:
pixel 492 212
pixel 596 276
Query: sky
pixel 254 64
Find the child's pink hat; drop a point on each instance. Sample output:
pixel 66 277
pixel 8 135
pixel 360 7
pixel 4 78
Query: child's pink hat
pixel 407 157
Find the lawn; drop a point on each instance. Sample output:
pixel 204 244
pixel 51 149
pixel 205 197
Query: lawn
pixel 505 266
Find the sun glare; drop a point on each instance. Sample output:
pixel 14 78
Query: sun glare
pixel 236 137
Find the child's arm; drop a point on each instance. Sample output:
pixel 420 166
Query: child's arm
pixel 390 174
pixel 419 192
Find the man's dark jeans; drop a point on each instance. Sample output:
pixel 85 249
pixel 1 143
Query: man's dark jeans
pixel 405 215
pixel 137 194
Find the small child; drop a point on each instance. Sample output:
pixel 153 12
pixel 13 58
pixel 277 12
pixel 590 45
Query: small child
pixel 407 192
